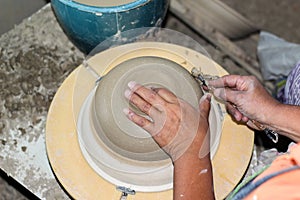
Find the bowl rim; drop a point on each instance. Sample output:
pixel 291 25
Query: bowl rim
pixel 111 9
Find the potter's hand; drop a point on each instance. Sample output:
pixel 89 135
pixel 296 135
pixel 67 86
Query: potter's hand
pixel 175 125
pixel 246 98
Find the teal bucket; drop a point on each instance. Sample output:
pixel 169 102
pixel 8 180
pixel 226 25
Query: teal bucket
pixel 87 26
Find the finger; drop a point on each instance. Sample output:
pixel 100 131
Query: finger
pixel 245 119
pixel 139 120
pixel 141 104
pixel 227 94
pixel 147 94
pixel 231 81
pixel 204 106
pixel 234 112
pixel 166 95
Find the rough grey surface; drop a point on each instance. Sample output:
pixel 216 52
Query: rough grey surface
pixel 35 58
pixel 12 12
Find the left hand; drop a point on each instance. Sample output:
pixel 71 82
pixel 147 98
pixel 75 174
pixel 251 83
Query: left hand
pixel 175 125
pixel 246 99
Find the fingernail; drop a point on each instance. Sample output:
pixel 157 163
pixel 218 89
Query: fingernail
pixel 126 111
pixel 127 94
pixel 205 88
pixel 237 117
pixel 208 97
pixel 154 89
pixel 131 84
pixel 249 123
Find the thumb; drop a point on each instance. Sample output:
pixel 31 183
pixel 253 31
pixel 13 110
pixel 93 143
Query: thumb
pixel 204 105
pixel 204 108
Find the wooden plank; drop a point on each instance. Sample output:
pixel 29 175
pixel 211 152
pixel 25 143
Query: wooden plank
pixel 188 12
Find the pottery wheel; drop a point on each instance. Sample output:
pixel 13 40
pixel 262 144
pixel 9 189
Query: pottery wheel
pixel 73 168
pixel 120 151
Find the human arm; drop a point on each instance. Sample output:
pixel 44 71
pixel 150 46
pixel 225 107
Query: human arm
pixel 247 100
pixel 193 178
pixel 182 132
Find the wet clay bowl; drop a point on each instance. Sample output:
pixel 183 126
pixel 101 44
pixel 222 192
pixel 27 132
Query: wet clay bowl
pixel 115 130
pixel 89 22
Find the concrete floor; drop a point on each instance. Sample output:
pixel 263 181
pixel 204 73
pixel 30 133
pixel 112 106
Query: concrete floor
pixel 12 12
pixel 276 16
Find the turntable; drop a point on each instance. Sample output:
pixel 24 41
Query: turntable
pixel 97 153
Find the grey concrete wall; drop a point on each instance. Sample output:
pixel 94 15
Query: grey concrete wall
pixel 12 12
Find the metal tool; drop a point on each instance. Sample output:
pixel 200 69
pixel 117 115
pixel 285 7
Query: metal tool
pixel 270 133
pixel 202 79
pixel 125 192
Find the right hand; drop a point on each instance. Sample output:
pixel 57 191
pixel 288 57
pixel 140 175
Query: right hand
pixel 245 98
pixel 177 127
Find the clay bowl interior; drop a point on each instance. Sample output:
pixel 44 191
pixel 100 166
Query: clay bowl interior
pixel 118 133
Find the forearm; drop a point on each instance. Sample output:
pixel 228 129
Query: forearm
pixel 285 119
pixel 193 178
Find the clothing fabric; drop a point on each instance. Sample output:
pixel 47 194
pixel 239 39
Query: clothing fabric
pixel 277 57
pixel 288 88
pixel 292 87
pixel 281 180
pixel 253 185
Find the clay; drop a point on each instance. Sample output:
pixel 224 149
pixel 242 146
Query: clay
pixel 105 3
pixel 113 127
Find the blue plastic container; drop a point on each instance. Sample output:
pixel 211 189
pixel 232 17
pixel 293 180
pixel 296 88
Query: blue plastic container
pixel 87 26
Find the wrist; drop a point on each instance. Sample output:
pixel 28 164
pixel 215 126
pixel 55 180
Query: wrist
pixel 193 156
pixel 270 113
pixel 196 147
pixel 284 120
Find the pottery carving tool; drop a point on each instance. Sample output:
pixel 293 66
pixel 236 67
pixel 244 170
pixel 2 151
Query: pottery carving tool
pixel 202 79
